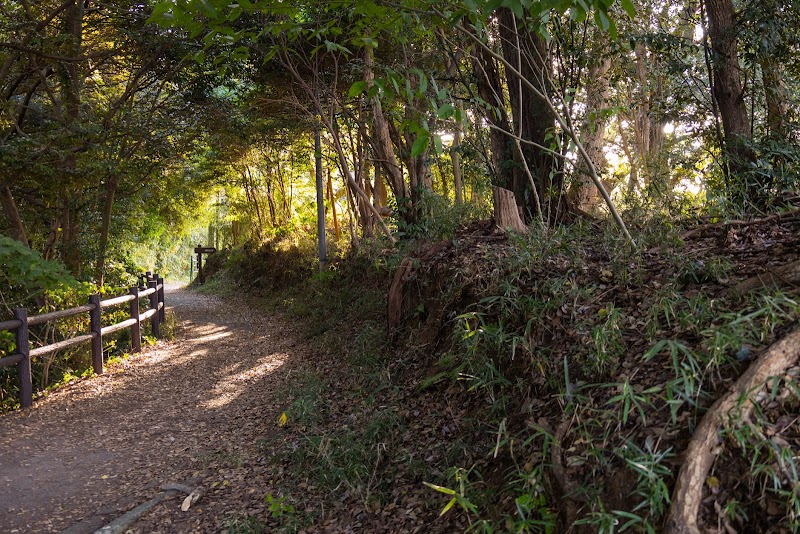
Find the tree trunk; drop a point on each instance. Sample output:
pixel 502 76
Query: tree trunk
pixel 15 224
pixel 74 36
pixel 487 80
pixel 727 84
pixel 775 96
pixel 380 198
pixel 70 250
pixel 455 157
pixel 528 54
pixel 641 120
pixel 270 200
pixel 383 141
pixel 586 196
pixel 332 199
pixel 362 179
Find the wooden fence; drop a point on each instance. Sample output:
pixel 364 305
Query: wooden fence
pixel 21 322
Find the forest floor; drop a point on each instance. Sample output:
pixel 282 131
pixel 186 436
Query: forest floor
pixel 196 411
pixel 522 382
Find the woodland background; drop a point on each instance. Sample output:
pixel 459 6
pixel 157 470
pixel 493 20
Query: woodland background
pixel 649 151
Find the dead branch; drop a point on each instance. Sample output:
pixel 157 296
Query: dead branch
pixel 700 453
pixel 782 217
pixel 122 523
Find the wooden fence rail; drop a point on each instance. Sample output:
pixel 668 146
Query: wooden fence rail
pixel 21 322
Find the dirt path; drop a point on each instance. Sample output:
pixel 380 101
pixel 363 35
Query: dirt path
pixel 188 411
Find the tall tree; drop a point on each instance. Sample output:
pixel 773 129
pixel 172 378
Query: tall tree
pixel 727 82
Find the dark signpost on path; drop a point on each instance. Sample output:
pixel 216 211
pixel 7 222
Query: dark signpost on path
pixel 200 251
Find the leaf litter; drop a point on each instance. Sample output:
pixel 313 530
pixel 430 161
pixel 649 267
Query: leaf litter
pixel 229 406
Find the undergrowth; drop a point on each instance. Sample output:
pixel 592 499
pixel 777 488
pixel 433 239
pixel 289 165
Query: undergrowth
pixel 41 286
pixel 580 366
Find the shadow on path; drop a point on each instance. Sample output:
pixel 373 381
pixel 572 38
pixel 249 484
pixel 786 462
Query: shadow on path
pixel 190 410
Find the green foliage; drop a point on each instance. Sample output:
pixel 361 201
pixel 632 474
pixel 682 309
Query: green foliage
pixel 609 345
pixel 458 497
pixel 439 220
pixel 629 400
pixel 25 275
pixel 279 507
pixel 245 524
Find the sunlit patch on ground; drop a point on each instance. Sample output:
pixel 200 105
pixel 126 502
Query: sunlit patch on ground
pixel 231 386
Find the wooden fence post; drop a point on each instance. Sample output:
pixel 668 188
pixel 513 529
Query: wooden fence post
pixel 154 306
pixel 96 328
pixel 162 309
pixel 24 367
pixel 136 329
pixel 200 275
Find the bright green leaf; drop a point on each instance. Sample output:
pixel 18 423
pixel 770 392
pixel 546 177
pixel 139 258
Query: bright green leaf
pixel 420 144
pixel 440 489
pixel 629 8
pixel 447 507
pixel 357 88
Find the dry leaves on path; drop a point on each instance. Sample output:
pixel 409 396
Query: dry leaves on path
pixel 188 411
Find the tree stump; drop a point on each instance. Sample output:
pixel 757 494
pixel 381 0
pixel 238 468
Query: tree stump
pixel 506 213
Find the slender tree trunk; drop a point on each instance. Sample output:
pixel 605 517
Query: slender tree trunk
pixel 70 250
pixel 287 214
pixel 585 195
pixel 74 34
pixel 49 250
pixel 487 80
pixel 252 198
pixel 383 140
pixel 641 120
pixel 362 179
pixel 270 200
pixel 351 214
pixel 776 97
pixel 633 178
pixel 332 199
pixel 11 212
pixel 105 228
pixel 380 198
pixel 455 157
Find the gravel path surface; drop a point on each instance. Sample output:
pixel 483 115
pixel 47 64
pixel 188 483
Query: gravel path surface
pixel 188 411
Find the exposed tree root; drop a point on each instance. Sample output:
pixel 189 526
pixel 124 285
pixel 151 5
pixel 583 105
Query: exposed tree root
pixel 700 453
pixel 786 274
pixel 395 297
pixel 566 488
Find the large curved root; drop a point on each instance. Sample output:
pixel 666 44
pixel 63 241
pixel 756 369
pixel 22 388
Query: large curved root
pixel 700 453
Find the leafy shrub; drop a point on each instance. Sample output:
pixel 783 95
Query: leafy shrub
pixel 25 276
